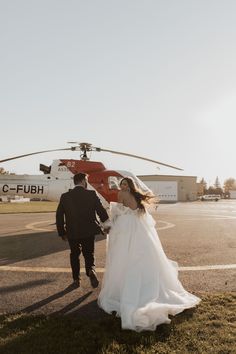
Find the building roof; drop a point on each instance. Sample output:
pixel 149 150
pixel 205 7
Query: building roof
pixel 166 176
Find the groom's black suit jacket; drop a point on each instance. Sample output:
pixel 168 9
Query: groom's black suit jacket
pixel 76 214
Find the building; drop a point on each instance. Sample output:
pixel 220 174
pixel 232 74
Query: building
pixel 171 188
pixel 232 194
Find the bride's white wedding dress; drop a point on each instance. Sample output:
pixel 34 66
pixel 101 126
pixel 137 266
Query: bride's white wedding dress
pixel 140 283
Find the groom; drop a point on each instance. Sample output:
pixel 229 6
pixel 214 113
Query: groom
pixel 76 222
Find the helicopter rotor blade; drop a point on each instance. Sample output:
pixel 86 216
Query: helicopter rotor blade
pixel 89 147
pixel 34 153
pixel 138 157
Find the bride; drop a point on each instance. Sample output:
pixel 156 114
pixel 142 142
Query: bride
pixel 140 283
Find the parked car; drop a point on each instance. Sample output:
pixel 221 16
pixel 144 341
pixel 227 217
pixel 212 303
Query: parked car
pixel 214 197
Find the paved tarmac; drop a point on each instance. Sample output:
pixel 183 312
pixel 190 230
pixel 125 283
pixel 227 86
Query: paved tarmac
pixel 34 263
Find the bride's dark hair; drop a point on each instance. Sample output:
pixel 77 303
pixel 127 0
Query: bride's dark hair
pixel 139 196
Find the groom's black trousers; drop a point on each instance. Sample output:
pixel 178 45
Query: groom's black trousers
pixel 86 246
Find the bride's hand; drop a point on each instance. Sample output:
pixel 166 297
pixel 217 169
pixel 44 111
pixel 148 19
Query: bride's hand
pixel 106 230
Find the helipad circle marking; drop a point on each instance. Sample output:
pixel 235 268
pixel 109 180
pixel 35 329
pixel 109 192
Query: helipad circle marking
pixel 32 226
pixel 169 225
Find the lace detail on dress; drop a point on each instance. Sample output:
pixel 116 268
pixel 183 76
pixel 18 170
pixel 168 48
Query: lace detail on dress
pixel 118 209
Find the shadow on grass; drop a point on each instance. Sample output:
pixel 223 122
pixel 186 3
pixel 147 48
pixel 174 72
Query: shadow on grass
pixel 90 311
pixel 74 335
pixel 192 331
pixel 86 329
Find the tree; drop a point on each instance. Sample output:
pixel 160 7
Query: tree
pixel 217 183
pixel 229 184
pixel 204 185
pixel 214 190
pixel 3 172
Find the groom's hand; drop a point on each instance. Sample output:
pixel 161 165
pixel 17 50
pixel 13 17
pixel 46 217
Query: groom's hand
pixel 64 237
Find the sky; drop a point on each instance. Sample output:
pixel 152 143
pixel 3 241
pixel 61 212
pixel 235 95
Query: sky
pixel 155 78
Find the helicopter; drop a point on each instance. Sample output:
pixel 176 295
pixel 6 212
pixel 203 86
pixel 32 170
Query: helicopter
pixel 58 178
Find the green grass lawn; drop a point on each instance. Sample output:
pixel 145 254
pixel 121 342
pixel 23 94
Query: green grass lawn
pixel 210 328
pixel 28 207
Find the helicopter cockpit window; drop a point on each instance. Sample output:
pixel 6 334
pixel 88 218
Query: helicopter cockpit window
pixel 114 182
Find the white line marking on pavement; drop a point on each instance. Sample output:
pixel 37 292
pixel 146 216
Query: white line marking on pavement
pixel 101 270
pixel 169 225
pixel 213 217
pixel 38 269
pixel 210 267
pixel 33 227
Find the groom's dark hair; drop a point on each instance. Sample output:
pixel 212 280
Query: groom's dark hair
pixel 79 177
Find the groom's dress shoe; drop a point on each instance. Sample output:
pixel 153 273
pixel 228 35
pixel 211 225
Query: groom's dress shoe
pixel 76 283
pixel 93 278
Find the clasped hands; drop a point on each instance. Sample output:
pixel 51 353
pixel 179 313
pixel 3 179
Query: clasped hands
pixel 106 230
